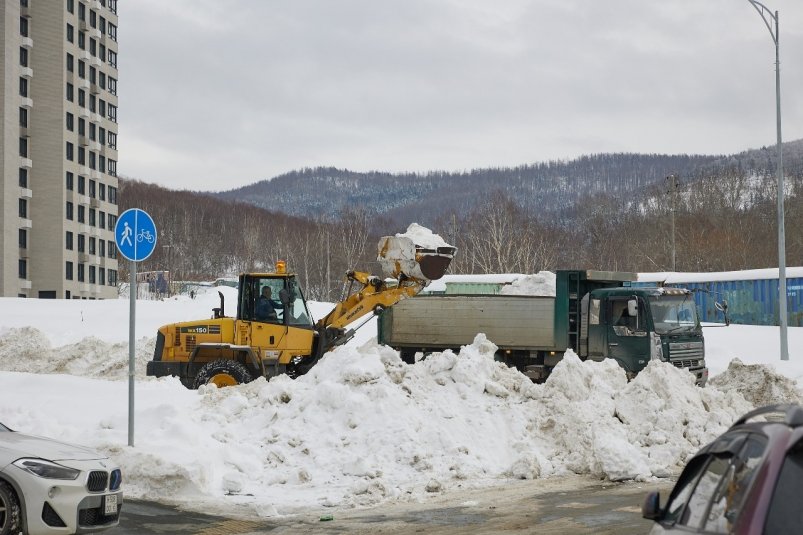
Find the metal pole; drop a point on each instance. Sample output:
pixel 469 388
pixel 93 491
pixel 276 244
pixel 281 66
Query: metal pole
pixel 132 290
pixel 769 17
pixel 781 235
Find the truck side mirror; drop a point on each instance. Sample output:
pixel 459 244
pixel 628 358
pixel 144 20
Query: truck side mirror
pixel 723 307
pixel 632 308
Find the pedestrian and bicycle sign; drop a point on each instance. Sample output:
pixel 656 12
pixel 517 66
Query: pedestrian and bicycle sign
pixel 135 234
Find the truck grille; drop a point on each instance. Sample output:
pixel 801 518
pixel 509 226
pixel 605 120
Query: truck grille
pixel 685 354
pixel 191 342
pixel 97 481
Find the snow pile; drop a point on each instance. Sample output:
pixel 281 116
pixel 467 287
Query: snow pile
pixel 423 237
pixel 541 283
pixel 758 383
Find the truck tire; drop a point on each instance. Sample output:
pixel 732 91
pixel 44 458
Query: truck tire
pixel 222 372
pixel 407 356
pixel 9 510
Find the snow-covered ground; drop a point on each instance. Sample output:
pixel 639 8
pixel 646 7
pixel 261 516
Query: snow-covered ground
pixel 363 427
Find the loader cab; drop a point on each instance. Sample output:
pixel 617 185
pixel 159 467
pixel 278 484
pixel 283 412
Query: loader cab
pixel 274 298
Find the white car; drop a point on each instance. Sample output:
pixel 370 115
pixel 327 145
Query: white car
pixel 48 486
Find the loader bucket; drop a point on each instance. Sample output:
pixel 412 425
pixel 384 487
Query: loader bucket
pixel 399 256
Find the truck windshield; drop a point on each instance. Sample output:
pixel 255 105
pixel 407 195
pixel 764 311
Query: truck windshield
pixel 297 312
pixel 673 313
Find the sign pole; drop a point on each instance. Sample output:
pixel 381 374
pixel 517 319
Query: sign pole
pixel 132 290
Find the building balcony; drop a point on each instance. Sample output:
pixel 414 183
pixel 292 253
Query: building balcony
pixel 83 199
pixel 83 257
pixel 27 42
pixel 26 223
pixel 83 112
pixel 27 163
pixel 25 284
pixel 24 132
pixel 94 88
pixel 26 72
pixel 83 141
pixel 83 83
pixel 26 193
pixel 83 26
pixel 26 102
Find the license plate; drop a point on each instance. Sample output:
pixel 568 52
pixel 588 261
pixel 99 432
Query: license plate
pixel 110 504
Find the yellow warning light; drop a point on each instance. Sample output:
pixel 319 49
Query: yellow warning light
pixel 281 266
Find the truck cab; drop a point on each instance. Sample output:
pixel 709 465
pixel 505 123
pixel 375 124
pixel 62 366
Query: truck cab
pixel 636 325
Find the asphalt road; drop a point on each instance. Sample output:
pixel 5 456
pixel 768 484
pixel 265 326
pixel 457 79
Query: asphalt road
pixel 573 505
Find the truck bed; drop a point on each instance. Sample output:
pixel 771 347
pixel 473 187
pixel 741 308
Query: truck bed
pixel 444 321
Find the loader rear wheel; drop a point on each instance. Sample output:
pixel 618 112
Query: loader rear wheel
pixel 222 373
pixel 9 510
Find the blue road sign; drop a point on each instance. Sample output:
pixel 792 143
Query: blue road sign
pixel 135 234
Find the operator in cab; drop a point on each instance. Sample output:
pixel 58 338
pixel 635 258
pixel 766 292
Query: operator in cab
pixel 267 309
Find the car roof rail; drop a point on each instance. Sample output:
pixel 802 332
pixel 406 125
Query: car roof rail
pixel 792 414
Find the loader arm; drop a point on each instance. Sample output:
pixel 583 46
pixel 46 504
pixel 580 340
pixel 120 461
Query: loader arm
pixel 374 296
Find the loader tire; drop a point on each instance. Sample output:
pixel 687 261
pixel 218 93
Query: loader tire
pixel 223 372
pixel 407 355
pixel 9 510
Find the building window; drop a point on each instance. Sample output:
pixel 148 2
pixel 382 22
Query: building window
pixel 93 19
pixel 92 245
pixel 112 275
pixel 112 199
pixel 23 177
pixel 81 41
pixel 93 75
pixel 101 276
pixel 102 79
pixel 81 11
pixel 92 130
pixel 111 249
pixel 69 153
pixel 102 135
pixel 112 57
pixel 23 238
pixel 69 210
pixel 92 217
pixel 70 33
pixel 71 6
pixel 81 243
pixel 70 122
pixel 23 208
pixel 102 107
pixel 102 221
pixel 81 127
pixel 81 269
pixel 23 87
pixel 112 140
pixel 102 24
pixel 81 185
pixel 102 52
pixel 112 31
pixel 68 271
pixel 69 92
pixel 82 98
pixel 81 69
pixel 70 62
pixel 112 85
pixel 81 156
pixel 113 6
pixel 112 221
pixel 23 268
pixel 102 163
pixel 112 168
pixel 92 160
pixel 81 213
pixel 92 102
pixel 102 191
pixel 69 180
pixel 23 26
pixel 101 247
pixel 24 117
pixel 92 275
pixel 24 147
pixel 23 56
pixel 92 185
pixel 68 240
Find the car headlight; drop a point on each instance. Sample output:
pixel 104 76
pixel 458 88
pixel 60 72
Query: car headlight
pixel 47 469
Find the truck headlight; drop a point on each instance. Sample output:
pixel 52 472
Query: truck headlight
pixel 656 348
pixel 47 469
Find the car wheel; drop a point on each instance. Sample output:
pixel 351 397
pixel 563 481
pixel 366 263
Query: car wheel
pixel 222 373
pixel 9 510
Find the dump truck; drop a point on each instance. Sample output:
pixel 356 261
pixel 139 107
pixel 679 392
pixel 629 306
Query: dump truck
pixel 273 331
pixel 597 314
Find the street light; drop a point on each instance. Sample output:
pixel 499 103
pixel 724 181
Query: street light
pixel 771 21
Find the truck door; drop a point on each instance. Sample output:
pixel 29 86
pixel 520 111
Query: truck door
pixel 628 340
pixel 597 332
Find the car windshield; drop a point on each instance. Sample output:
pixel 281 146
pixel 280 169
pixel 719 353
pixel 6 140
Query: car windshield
pixel 673 313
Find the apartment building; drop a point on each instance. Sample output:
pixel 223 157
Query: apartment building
pixel 59 149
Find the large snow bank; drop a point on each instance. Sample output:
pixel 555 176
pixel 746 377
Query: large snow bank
pixel 541 283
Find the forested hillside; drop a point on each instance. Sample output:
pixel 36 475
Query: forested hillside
pixel 724 211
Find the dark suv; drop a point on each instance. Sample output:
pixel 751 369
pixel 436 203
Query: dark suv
pixel 747 481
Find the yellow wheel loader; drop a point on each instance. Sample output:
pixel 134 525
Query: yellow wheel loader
pixel 273 331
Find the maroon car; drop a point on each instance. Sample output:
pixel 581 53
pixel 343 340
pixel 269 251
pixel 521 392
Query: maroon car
pixel 747 481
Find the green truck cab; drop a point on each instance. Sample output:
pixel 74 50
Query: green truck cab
pixel 597 314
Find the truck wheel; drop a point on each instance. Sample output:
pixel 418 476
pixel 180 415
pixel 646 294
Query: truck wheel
pixel 222 372
pixel 9 510
pixel 407 355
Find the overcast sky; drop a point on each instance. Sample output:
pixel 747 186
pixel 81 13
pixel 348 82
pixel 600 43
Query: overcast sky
pixel 219 94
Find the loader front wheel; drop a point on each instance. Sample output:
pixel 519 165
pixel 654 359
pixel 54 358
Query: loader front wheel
pixel 222 373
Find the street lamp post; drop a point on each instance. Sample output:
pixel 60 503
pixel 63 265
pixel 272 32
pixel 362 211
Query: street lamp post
pixel 771 21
